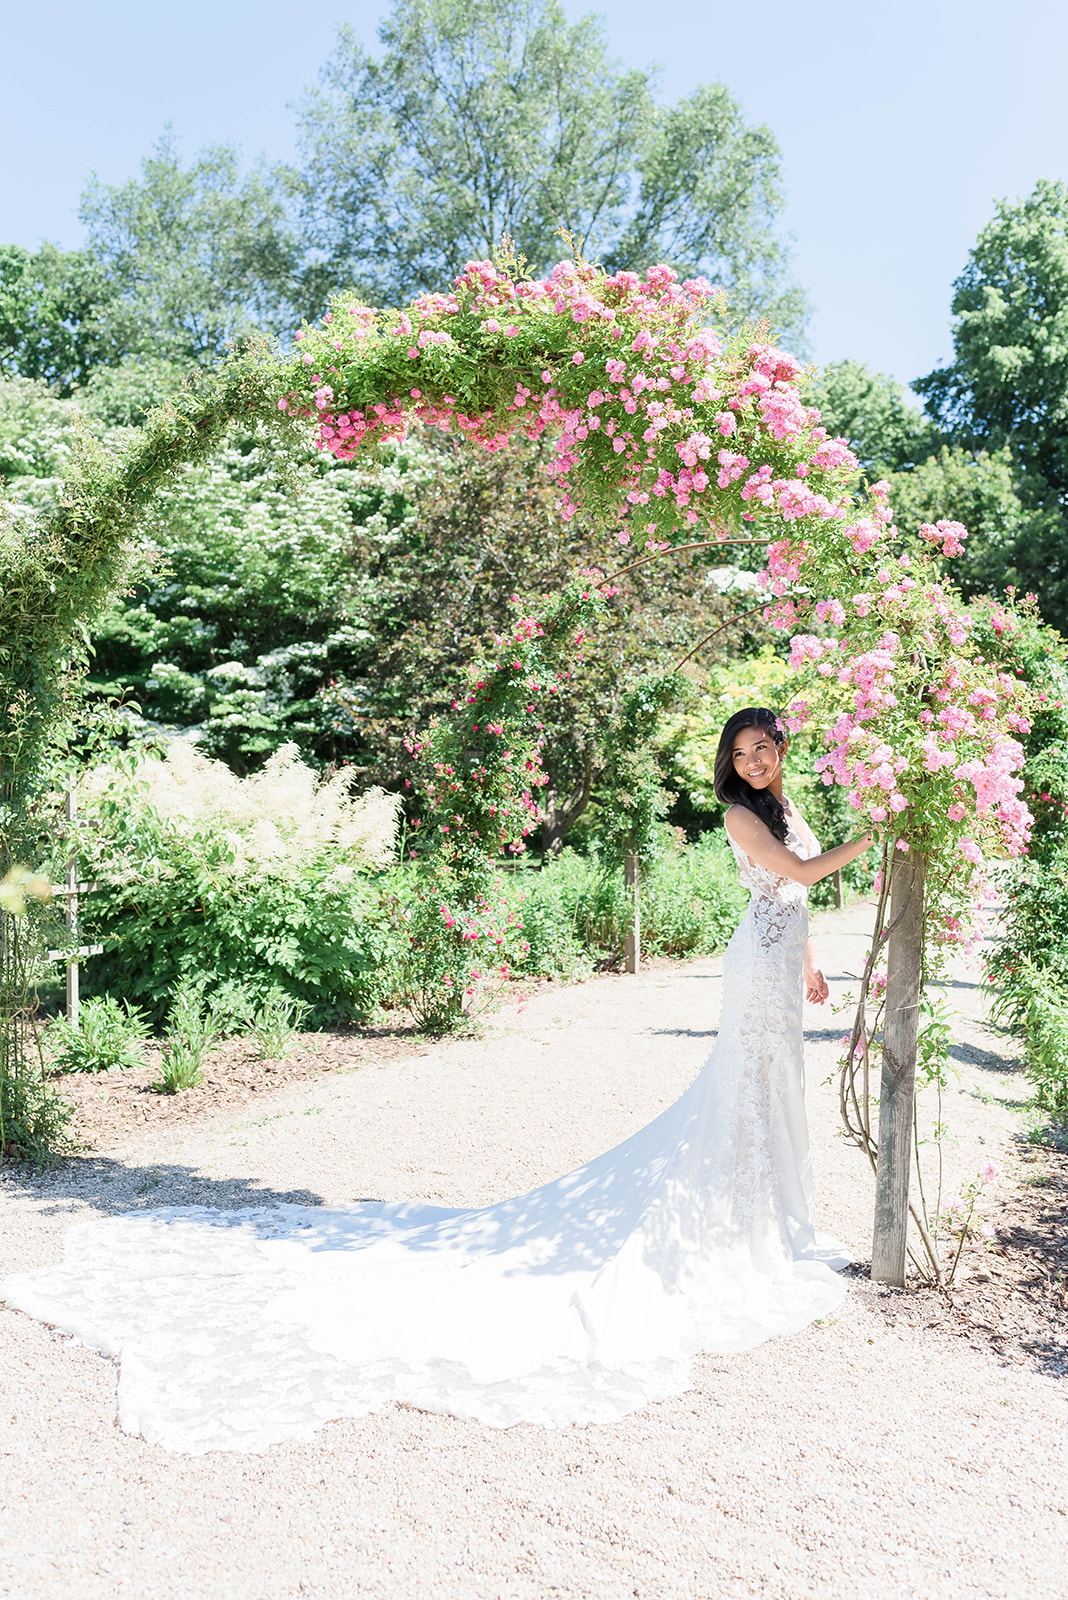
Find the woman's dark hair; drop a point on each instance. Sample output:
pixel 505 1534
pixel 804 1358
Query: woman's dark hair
pixel 730 787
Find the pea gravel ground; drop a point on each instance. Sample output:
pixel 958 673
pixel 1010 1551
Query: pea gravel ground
pixel 874 1454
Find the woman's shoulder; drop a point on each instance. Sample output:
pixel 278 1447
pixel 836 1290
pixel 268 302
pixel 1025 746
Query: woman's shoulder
pixel 741 823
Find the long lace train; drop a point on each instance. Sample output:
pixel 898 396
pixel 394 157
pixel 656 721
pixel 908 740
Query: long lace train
pixel 578 1302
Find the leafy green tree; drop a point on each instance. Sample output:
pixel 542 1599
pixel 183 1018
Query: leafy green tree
pixel 437 584
pixel 196 256
pixel 481 119
pixel 1008 381
pixel 35 440
pixel 53 315
pixel 874 413
pixel 344 617
pixel 241 621
pixel 1007 386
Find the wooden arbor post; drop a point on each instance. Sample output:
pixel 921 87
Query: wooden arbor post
pixel 897 1090
pixel 632 881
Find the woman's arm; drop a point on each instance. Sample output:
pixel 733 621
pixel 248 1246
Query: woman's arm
pixel 761 846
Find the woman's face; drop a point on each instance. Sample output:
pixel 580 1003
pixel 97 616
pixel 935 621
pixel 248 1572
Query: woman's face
pixel 757 758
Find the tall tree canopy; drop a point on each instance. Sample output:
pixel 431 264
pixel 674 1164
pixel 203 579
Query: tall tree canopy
pixel 1008 381
pixel 482 118
pixel 1007 386
pixel 196 255
pixel 53 315
pixel 873 411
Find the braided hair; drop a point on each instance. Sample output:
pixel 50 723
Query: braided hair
pixel 731 788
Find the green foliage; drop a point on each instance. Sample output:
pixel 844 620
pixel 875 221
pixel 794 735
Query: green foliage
pixel 53 316
pixel 36 435
pixel 979 489
pixel 633 797
pixel 477 773
pixel 478 121
pixel 1029 960
pixel 35 1122
pixel 221 891
pixel 274 1023
pixel 1007 386
pixel 191 1033
pixel 243 622
pixel 577 908
pixel 873 412
pixel 1008 381
pixel 1031 1003
pixel 195 256
pixel 110 1033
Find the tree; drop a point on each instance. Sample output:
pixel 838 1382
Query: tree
pixel 482 120
pixel 53 315
pixel 1009 542
pixel 1007 387
pixel 437 584
pixel 196 256
pixel 343 616
pixel 1008 382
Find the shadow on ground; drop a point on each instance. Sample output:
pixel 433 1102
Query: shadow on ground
pixel 111 1187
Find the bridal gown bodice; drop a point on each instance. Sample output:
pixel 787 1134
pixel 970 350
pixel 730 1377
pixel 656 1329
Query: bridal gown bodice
pixel 578 1302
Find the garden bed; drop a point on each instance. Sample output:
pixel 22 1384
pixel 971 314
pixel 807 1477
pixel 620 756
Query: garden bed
pixel 1014 1299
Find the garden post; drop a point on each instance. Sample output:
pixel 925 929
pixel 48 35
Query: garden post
pixel 72 916
pixel 632 880
pixel 897 1090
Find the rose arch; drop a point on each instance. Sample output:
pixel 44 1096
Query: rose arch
pixel 672 435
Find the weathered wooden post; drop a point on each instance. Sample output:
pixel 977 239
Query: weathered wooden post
pixel 69 891
pixel 632 881
pixel 897 1090
pixel 72 914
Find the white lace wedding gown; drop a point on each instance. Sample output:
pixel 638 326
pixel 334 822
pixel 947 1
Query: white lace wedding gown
pixel 578 1302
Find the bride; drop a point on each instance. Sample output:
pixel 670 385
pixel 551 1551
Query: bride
pixel 578 1302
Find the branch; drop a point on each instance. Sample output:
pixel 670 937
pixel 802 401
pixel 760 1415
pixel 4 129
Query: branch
pixel 740 617
pixel 674 550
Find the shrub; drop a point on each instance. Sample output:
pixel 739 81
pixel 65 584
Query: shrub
pixel 110 1033
pixel 577 907
pixel 259 884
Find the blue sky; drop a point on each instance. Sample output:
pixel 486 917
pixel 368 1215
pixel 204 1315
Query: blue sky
pixel 900 125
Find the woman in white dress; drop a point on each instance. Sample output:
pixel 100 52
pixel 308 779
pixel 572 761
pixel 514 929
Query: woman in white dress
pixel 578 1302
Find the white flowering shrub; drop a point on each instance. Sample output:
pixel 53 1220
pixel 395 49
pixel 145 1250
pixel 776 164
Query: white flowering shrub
pixel 264 882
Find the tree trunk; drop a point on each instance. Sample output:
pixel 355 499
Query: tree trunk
pixel 897 1091
pixel 555 820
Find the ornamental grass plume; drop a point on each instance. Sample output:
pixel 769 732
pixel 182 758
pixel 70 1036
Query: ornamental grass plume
pixel 280 815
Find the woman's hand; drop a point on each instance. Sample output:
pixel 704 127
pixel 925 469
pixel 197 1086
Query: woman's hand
pixel 816 990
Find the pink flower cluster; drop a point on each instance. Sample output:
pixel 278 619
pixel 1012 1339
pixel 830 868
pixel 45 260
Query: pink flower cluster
pixel 623 369
pixel 950 535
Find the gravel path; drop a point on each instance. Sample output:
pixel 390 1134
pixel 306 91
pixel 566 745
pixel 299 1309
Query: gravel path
pixel 870 1455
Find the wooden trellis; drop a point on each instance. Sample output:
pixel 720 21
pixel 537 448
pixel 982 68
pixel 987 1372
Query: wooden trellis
pixel 70 892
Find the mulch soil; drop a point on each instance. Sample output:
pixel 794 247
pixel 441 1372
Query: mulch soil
pixel 112 1107
pixel 1014 1297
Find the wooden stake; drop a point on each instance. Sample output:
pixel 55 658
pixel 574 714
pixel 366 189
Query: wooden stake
pixel 632 880
pixel 72 915
pixel 897 1091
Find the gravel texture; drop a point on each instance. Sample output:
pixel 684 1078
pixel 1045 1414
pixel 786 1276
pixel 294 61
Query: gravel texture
pixel 877 1453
